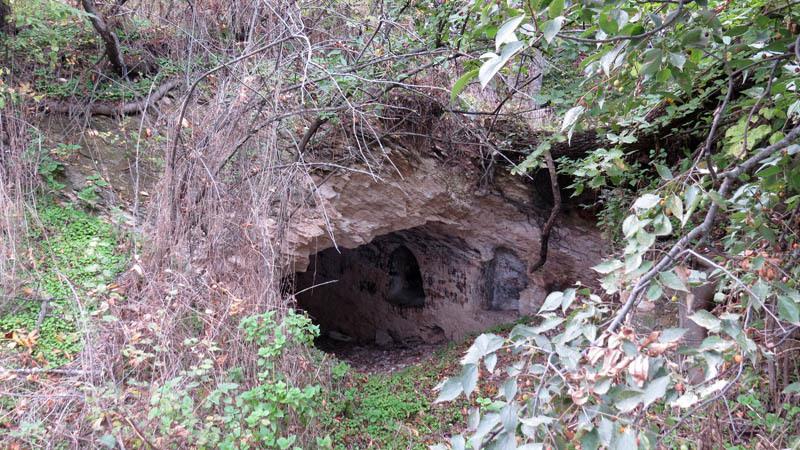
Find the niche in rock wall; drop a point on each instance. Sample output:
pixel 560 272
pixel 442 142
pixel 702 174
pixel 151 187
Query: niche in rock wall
pixel 405 279
pixel 405 287
pixel 506 276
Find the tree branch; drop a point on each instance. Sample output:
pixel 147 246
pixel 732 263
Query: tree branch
pixel 112 109
pixel 110 39
pixel 548 226
pixel 730 176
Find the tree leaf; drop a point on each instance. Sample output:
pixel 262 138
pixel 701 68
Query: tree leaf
pixel 567 299
pixel 483 345
pixel 646 201
pixel 664 172
pixel 491 66
pixel 608 266
pixel 672 281
pixel 490 361
pixel 469 378
pixel 552 27
pixel 462 83
pixel 457 442
pixel 449 390
pixel 671 335
pixel 548 324
pixel 509 388
pixel 706 320
pixel 655 390
pixel 607 61
pixel 662 225
pixel 686 400
pixel 590 440
pixel 788 310
pixel 552 301
pixel 571 117
pixel 654 291
pixel 677 60
pixel 555 8
pixel 691 198
pixel 793 388
pixel 674 205
pixel 626 440
pixel 505 33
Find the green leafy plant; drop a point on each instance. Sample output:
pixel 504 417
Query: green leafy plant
pixel 231 414
pixel 76 255
pixel 718 81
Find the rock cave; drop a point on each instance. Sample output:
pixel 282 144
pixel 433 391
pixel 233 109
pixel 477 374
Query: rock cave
pixel 411 287
pixel 422 257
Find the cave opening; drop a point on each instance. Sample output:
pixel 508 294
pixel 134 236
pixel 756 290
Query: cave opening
pixel 407 292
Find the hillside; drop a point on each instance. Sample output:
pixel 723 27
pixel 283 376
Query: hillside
pixel 446 224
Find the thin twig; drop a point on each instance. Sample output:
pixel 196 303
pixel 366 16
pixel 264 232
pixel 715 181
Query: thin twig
pixel 548 226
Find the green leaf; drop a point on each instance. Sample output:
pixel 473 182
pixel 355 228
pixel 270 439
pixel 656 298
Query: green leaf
pixel 552 27
pixel 608 266
pixel 590 440
pixel 509 388
pixel 706 320
pixel 646 201
pixel 610 59
pixel 571 117
pixel 490 361
pixel 567 299
pixel 674 205
pixel 532 446
pixel 686 400
pixel 462 83
pixel 494 63
pixel 788 310
pixel 654 291
pixel 483 345
pixel 469 378
pixel 552 301
pixel 627 400
pixel 613 20
pixel 662 225
pixel 505 33
pixel 624 441
pixel 677 60
pixel 664 172
pixel 555 8
pixel 632 262
pixel 691 198
pixel 671 335
pixel 108 440
pixel 655 390
pixel 793 388
pixel 449 390
pixel 548 324
pixel 672 281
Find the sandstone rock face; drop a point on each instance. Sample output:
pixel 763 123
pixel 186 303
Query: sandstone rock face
pixel 371 240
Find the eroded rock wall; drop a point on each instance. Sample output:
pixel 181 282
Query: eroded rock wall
pixel 473 244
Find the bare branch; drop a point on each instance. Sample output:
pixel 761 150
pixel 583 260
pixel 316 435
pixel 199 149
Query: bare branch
pixel 110 39
pixel 548 226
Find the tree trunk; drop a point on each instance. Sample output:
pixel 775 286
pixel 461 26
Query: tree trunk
pixel 5 17
pixel 110 40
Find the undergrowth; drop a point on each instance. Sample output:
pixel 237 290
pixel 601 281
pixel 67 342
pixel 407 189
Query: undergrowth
pixel 72 261
pixel 55 51
pixel 396 410
pixel 392 411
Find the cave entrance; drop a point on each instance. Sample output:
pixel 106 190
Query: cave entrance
pixel 397 294
pixel 405 293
